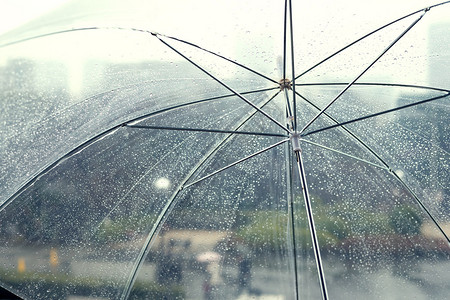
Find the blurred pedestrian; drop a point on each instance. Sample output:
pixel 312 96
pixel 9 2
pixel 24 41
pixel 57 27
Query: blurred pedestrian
pixel 213 280
pixel 245 266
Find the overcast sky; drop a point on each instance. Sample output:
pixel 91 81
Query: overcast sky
pixel 14 13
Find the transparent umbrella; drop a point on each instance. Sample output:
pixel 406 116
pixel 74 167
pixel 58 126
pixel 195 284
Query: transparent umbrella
pixel 304 143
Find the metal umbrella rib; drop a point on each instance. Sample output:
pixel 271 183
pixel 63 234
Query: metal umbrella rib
pixel 351 133
pixel 294 101
pixel 312 226
pixel 291 84
pixel 366 36
pixel 224 85
pixel 223 141
pixel 171 204
pixel 205 130
pixel 172 201
pixel 363 72
pixel 346 154
pixel 370 84
pixel 220 56
pixel 379 158
pixel 100 135
pixel 387 167
pixel 236 162
pixel 377 114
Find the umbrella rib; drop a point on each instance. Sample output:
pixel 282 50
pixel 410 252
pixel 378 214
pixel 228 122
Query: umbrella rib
pixel 145 116
pixel 206 130
pixel 171 203
pixel 370 84
pixel 293 66
pixel 109 131
pixel 138 181
pixel 236 162
pixel 143 31
pixel 291 214
pixel 223 84
pixel 136 85
pixel 375 84
pixel 364 71
pixel 291 115
pixel 348 131
pixel 288 104
pixel 121 28
pixel 148 242
pixel 143 176
pixel 164 215
pixel 420 203
pixel 220 56
pixel 346 154
pixel 367 35
pixel 376 114
pixel 285 38
pixel 312 227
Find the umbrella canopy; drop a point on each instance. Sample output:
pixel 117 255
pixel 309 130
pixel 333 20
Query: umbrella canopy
pixel 306 144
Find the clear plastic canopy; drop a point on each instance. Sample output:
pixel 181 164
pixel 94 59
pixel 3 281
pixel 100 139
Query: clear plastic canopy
pixel 226 150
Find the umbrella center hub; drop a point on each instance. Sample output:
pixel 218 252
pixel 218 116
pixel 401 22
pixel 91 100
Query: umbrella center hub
pixel 285 84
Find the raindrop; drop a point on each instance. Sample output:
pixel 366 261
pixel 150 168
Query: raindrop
pixel 400 173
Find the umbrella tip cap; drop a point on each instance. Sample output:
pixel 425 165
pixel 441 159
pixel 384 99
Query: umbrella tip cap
pixel 285 84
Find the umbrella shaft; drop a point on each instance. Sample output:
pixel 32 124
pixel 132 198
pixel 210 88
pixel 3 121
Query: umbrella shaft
pixel 312 227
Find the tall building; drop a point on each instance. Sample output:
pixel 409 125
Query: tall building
pixel 439 53
pixel 425 129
